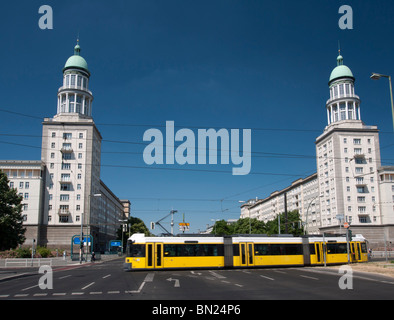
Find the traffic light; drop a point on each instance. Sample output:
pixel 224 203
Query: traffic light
pixel 349 234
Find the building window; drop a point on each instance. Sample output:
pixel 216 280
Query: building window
pixel 361 190
pixel 65 187
pixel 27 185
pixel 362 209
pixel 362 219
pixel 64 197
pixel 63 218
pixel 67 136
pixel 65 177
pixel 78 108
pixel 66 166
pixel 26 196
pixel 66 156
pixel 356 141
pixel 359 169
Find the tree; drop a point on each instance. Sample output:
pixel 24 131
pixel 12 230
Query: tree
pixel 294 226
pixel 242 226
pixel 221 227
pixel 12 232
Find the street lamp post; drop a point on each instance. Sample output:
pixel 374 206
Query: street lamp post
pixel 377 76
pixel 124 222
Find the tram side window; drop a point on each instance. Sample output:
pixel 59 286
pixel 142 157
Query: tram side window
pixel 193 250
pixel 136 250
pixel 363 247
pixel 277 249
pixel 336 248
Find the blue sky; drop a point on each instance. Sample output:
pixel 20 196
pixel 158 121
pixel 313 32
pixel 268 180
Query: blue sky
pixel 262 65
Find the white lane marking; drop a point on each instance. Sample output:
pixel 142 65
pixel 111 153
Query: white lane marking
pixel 309 277
pixel 219 276
pixel 90 284
pixel 149 277
pixel 267 277
pixel 29 287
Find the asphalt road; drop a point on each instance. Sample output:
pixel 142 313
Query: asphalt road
pixel 108 281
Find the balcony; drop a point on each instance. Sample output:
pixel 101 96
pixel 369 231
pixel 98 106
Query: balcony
pixel 63 212
pixel 66 149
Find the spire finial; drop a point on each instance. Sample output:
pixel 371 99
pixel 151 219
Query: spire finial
pixel 339 58
pixel 77 48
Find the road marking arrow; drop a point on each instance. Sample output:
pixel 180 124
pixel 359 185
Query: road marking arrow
pixel 176 282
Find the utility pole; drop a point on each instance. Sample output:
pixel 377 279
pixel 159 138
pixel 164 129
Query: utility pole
pixel 286 229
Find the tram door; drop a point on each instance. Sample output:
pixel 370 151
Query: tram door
pixel 355 249
pixel 154 255
pixel 319 252
pixel 247 253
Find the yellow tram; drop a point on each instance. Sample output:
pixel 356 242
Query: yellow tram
pixel 240 251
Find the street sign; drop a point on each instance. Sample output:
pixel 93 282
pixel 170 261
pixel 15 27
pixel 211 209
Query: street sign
pixel 116 243
pixel 77 240
pixel 346 225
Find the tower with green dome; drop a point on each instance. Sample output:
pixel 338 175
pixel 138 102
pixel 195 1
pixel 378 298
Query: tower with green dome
pixel 74 97
pixel 348 160
pixel 343 104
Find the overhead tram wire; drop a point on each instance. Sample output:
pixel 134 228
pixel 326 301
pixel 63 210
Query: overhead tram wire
pixel 178 126
pixel 257 154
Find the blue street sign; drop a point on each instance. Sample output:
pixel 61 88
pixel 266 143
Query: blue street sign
pixel 77 240
pixel 115 243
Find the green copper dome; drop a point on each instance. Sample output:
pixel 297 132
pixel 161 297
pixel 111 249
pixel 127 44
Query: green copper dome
pixel 340 71
pixel 76 61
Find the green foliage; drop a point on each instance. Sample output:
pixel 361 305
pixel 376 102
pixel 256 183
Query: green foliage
pixel 43 252
pixel 11 221
pixel 23 253
pixel 294 226
pixel 254 226
pixel 242 226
